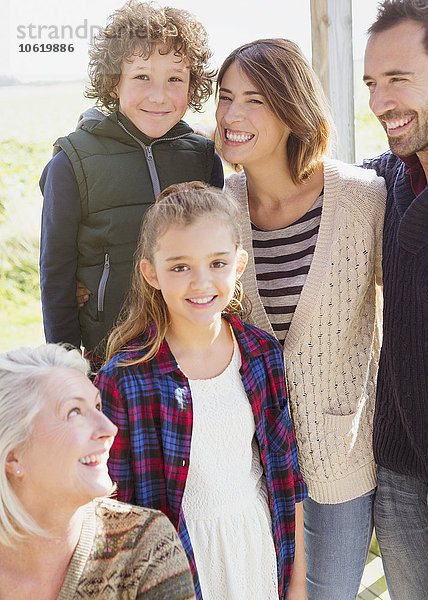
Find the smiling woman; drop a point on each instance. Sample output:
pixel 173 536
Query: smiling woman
pixel 55 530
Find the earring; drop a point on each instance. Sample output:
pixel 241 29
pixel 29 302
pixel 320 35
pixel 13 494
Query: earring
pixel 235 304
pixel 18 471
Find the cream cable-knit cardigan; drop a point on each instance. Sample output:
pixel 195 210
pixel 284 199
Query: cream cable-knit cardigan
pixel 332 348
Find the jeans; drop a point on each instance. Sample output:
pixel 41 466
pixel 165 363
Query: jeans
pixel 401 522
pixel 337 541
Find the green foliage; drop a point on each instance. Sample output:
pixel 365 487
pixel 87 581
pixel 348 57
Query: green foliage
pixel 20 168
pixel 20 314
pixel 19 172
pixel 31 118
pixel 18 269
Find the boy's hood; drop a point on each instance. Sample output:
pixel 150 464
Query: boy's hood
pixel 90 114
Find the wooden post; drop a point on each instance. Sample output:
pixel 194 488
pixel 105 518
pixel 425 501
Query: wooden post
pixel 332 60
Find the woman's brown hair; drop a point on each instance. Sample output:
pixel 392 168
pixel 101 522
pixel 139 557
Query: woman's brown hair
pixel 293 92
pixel 145 310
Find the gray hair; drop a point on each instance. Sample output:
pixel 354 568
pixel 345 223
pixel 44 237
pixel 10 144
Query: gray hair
pixel 22 372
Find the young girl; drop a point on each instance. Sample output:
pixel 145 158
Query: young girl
pixel 200 403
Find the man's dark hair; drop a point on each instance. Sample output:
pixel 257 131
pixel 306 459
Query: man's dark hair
pixel 393 12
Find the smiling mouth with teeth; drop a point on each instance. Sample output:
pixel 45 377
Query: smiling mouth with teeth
pixel 237 136
pixel 396 124
pixel 93 459
pixel 201 300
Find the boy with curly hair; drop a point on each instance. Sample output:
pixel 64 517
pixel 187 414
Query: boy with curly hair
pixel 146 67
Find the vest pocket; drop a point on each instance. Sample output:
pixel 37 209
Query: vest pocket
pixel 102 286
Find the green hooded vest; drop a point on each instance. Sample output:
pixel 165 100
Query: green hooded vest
pixel 119 172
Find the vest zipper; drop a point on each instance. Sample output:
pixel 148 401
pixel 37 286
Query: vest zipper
pixel 103 282
pixel 152 169
pixel 150 158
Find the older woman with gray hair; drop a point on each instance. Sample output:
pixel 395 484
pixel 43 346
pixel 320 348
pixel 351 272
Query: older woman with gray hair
pixel 60 537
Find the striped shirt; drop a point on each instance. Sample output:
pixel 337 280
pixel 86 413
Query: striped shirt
pixel 283 258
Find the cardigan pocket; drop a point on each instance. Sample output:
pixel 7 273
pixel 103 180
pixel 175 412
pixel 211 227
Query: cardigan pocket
pixel 340 424
pixel 341 433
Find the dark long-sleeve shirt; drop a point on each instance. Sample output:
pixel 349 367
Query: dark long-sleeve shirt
pixel 401 417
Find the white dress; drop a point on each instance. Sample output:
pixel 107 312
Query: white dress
pixel 225 500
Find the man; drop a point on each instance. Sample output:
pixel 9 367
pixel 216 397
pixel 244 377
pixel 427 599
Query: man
pixel 396 73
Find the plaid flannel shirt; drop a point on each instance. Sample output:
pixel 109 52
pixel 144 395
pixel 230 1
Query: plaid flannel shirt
pixel 151 405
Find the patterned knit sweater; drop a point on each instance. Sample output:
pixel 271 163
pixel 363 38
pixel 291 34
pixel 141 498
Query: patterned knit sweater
pixel 127 553
pixel 332 348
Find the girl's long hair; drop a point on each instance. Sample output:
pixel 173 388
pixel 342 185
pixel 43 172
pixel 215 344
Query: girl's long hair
pixel 145 311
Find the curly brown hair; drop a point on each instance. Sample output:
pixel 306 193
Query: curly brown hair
pixel 135 29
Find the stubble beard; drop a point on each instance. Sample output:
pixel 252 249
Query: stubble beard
pixel 414 142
